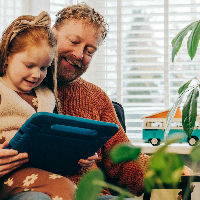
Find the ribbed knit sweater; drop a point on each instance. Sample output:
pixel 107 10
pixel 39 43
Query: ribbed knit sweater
pixel 83 99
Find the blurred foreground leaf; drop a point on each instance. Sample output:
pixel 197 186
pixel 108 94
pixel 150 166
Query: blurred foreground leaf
pixel 87 188
pixel 91 186
pixel 195 153
pixel 164 169
pixel 124 152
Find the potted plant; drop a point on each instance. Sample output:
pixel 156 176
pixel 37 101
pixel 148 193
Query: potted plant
pixel 164 169
pixel 190 90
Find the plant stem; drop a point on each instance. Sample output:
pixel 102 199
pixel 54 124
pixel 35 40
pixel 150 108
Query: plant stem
pixel 114 188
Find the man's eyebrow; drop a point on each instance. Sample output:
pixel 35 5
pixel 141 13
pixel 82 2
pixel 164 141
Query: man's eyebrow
pixel 92 46
pixel 29 63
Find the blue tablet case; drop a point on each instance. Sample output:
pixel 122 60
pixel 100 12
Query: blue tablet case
pixel 56 142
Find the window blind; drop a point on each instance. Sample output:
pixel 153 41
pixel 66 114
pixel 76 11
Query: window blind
pixel 183 69
pixel 9 10
pixel 134 59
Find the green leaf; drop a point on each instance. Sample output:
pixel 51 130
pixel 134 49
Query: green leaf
pixel 184 86
pixel 124 152
pixel 120 198
pixel 173 110
pixel 122 192
pixel 169 141
pixel 193 40
pixel 189 112
pixel 87 189
pixel 194 154
pixel 164 169
pixel 177 41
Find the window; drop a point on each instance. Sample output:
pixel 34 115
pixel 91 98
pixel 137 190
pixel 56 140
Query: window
pixel 134 64
pixel 9 10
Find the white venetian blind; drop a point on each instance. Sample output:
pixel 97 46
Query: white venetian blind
pixel 181 14
pixel 131 66
pixel 9 10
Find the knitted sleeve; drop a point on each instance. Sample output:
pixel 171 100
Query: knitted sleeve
pixel 129 175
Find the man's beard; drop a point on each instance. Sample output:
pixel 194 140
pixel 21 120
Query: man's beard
pixel 65 75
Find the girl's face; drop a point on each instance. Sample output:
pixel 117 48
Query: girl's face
pixel 27 69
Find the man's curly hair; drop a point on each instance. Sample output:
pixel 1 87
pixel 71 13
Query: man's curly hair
pixel 85 13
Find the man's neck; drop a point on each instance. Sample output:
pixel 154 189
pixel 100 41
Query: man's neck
pixel 65 82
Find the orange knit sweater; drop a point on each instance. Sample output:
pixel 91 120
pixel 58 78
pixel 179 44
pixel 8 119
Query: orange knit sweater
pixel 83 99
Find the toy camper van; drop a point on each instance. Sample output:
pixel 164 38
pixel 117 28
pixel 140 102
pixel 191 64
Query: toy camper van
pixel 154 128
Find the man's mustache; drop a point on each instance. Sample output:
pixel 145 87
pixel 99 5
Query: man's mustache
pixel 72 60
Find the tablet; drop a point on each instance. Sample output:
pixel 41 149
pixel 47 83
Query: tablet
pixel 56 142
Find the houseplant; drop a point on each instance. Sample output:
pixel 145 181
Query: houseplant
pixel 190 90
pixel 164 168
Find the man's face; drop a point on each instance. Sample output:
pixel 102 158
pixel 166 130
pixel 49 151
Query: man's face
pixel 77 42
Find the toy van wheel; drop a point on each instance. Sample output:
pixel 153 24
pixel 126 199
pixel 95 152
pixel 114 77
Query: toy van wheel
pixel 193 140
pixel 154 141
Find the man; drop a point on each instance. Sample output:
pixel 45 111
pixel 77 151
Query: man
pixel 80 30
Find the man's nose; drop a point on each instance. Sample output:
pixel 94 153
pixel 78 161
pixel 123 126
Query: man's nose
pixel 79 52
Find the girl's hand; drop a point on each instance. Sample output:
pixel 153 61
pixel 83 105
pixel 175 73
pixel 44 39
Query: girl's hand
pixel 89 162
pixel 10 159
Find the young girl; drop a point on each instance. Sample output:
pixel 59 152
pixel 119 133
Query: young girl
pixel 27 85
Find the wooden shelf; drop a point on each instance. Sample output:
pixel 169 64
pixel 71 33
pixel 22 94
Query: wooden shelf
pixel 179 148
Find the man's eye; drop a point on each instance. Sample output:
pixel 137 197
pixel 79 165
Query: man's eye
pixel 90 52
pixel 74 41
pixel 43 68
pixel 29 66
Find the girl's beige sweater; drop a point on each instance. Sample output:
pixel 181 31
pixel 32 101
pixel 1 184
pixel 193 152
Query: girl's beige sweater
pixel 14 110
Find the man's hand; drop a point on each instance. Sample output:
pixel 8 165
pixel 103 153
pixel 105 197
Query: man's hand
pixel 10 159
pixel 89 162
